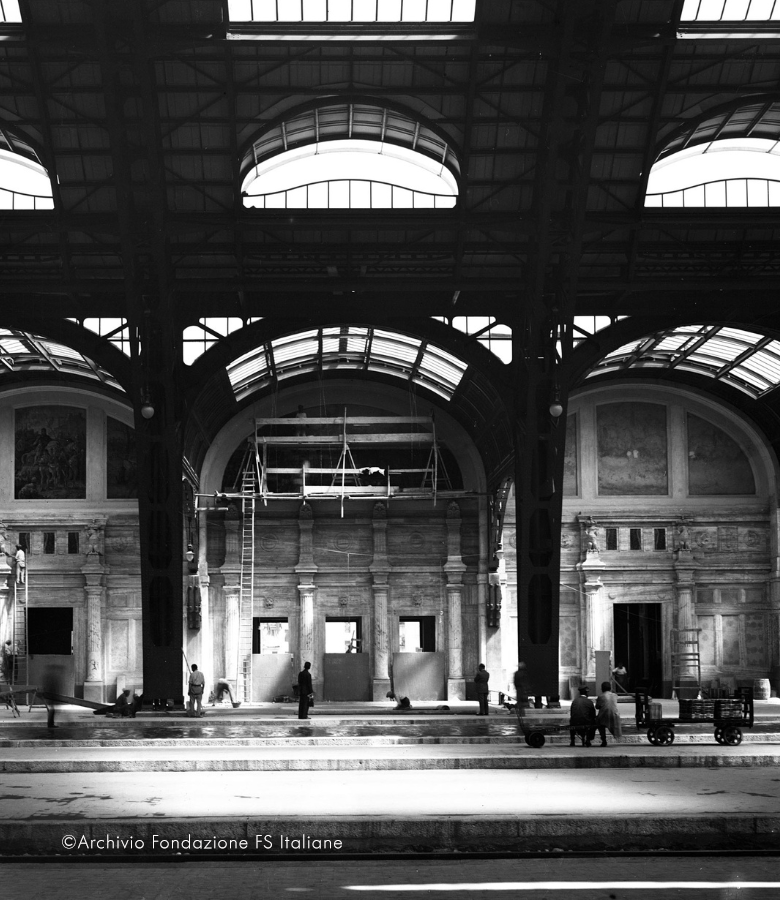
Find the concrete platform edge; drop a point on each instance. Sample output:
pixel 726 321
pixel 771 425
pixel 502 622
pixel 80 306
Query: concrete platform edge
pixel 250 838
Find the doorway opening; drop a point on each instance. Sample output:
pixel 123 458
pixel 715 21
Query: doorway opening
pixel 50 648
pixel 417 634
pixel 271 636
pixel 343 634
pixel 639 645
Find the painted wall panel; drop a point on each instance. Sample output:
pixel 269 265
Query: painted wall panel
pixel 632 454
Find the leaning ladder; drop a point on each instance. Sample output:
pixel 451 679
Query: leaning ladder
pixel 686 660
pixel 246 595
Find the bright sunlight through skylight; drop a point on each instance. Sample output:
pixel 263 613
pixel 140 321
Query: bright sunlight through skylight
pixel 349 174
pixel 730 172
pixel 363 11
pixel 23 183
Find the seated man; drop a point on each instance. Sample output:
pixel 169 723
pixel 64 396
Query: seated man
pixel 126 705
pixel 400 702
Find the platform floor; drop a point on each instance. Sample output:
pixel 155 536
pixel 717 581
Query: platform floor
pixel 373 781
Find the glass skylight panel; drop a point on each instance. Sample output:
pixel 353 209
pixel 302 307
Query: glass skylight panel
pixel 349 174
pixel 295 349
pixel 731 172
pixel 10 13
pixel 357 11
pixel 730 11
pixel 24 183
pixel 250 368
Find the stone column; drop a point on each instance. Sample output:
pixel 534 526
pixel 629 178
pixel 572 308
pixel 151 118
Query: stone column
pixel 773 593
pixel 6 598
pixel 306 634
pixel 232 591
pixel 596 626
pixel 454 569
pixel 94 589
pixel 687 671
pixel 380 569
pixel 207 662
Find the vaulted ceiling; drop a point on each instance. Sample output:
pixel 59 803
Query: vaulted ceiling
pixel 145 114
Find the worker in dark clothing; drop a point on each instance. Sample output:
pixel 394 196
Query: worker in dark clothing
pixel 305 691
pixel 483 691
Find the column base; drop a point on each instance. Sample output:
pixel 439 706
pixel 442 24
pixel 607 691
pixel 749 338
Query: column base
pixel 456 688
pixel 379 689
pixel 94 691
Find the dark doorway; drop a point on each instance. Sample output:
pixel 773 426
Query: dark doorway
pixel 50 630
pixel 50 648
pixel 638 645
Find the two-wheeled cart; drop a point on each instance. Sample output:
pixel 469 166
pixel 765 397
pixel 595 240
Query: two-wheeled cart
pixel 536 732
pixel 729 715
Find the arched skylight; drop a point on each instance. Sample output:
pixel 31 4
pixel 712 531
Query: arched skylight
pixel 24 183
pixel 198 338
pixel 349 154
pixel 731 172
pixel 348 347
pixel 23 351
pixel 743 359
pixel 363 11
pixel 350 174
pixel 486 330
pixel 730 11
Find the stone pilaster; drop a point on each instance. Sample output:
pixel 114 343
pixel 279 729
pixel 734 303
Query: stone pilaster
pixel 380 569
pixel 454 569
pixel 94 590
pixel 685 589
pixel 232 591
pixel 306 634
pixel 595 624
pixel 6 598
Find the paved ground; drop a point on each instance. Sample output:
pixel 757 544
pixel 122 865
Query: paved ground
pixel 234 777
pixel 555 878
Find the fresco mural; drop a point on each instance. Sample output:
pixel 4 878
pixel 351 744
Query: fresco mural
pixel 632 449
pixel 570 484
pixel 51 453
pixel 716 463
pixel 120 460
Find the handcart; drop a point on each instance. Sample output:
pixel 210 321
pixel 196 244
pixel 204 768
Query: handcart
pixel 536 732
pixel 729 716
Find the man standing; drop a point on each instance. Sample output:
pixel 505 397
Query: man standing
pixel 305 691
pixel 582 718
pixel 483 692
pixel 196 687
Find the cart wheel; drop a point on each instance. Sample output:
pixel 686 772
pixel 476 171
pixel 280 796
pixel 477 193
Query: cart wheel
pixel 664 735
pixel 732 735
pixel 527 741
pixel 719 736
pixel 651 736
pixel 535 739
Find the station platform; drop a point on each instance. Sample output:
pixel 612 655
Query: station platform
pixel 375 782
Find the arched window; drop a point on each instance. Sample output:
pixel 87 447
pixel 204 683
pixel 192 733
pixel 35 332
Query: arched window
pixel 730 158
pixel 745 360
pixel 353 155
pixel 730 11
pixel 24 183
pixel 345 348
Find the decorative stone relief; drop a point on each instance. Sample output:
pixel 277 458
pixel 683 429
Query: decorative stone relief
pixel 267 602
pixel 343 601
pixel 269 543
pixel 567 540
pixel 416 539
pixel 728 538
pixel 417 599
pixel 343 541
pixel 753 540
pixel 705 538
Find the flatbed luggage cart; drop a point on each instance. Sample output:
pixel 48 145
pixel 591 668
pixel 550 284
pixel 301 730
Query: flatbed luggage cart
pixel 729 716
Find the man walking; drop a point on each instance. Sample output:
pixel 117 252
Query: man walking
pixel 305 691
